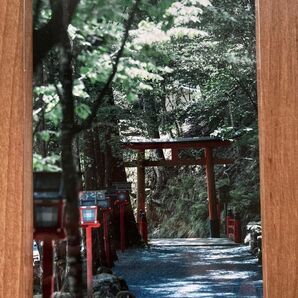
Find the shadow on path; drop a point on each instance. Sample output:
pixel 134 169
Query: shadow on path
pixel 189 271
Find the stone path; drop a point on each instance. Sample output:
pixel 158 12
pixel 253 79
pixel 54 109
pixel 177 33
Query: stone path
pixel 189 268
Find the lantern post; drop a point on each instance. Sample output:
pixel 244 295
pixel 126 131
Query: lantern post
pixel 88 217
pixel 237 227
pixel 122 197
pixel 104 204
pixel 143 226
pixel 48 220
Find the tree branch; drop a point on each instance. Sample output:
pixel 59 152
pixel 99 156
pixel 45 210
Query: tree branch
pixel 45 38
pixel 245 90
pixel 88 122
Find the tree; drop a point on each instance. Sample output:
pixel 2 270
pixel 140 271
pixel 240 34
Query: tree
pixel 56 31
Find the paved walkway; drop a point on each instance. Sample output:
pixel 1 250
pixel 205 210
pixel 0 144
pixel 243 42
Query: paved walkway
pixel 190 268
pixel 192 242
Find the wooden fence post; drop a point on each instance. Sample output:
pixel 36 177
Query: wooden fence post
pixel 277 60
pixel 15 148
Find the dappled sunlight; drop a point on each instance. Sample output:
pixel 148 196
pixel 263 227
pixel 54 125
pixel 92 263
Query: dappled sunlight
pixel 223 275
pixel 191 271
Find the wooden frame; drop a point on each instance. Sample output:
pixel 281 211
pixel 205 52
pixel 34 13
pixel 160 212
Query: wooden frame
pixel 16 148
pixel 277 59
pixel 277 31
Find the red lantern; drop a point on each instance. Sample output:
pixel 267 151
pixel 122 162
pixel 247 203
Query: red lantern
pixel 48 206
pixel 48 220
pixel 88 216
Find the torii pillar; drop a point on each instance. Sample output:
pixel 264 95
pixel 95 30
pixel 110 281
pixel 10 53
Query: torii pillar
pixel 141 196
pixel 211 190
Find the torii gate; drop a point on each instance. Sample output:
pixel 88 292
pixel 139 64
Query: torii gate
pixel 207 143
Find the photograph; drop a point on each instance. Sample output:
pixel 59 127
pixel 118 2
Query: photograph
pixel 149 148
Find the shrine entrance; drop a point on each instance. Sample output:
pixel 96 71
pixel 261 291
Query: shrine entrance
pixel 208 144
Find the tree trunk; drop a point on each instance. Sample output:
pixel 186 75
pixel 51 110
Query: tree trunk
pixel 115 172
pixel 94 181
pixel 90 162
pixel 70 178
pixel 152 121
pixel 72 215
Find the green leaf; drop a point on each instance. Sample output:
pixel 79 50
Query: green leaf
pixel 48 163
pixel 44 135
pixel 78 89
pixel 83 111
pixel 132 97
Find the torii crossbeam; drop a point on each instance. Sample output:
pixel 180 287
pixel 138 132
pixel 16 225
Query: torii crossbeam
pixel 206 143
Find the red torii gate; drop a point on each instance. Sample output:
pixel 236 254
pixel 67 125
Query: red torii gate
pixel 207 143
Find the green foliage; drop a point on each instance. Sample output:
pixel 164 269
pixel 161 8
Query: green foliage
pixel 184 207
pixel 188 69
pixel 46 164
pixel 82 110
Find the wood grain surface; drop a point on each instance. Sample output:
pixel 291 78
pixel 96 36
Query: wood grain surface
pixel 277 51
pixel 15 149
